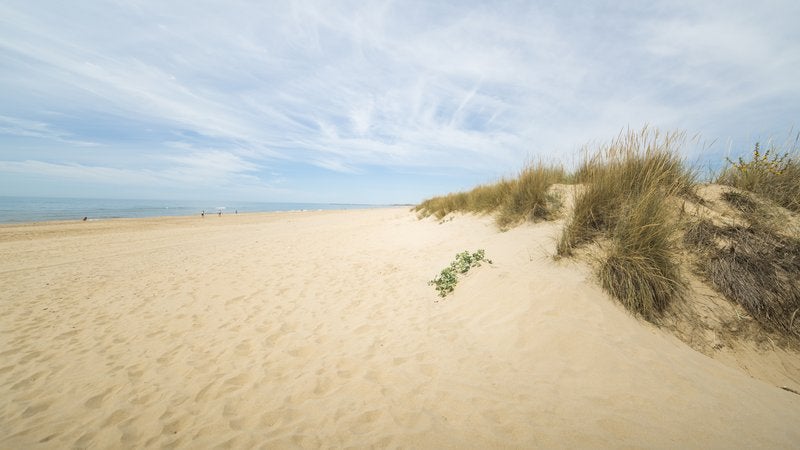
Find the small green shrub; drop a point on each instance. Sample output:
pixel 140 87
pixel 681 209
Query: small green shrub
pixel 768 163
pixel 446 281
pixel 772 174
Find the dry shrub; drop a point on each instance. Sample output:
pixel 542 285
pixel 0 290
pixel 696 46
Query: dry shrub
pixel 755 267
pixel 443 205
pixel 487 198
pixel 742 202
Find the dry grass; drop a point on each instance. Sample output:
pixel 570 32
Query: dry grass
pixel 514 201
pixel 632 166
pixel 627 184
pixel 529 199
pixel 754 267
pixel 641 268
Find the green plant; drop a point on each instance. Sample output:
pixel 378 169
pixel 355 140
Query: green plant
pixel 770 162
pixel 446 281
pixel 772 174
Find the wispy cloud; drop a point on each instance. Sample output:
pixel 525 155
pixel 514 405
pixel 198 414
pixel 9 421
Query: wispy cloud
pixel 175 92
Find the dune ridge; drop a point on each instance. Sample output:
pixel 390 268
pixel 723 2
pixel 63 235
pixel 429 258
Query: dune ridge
pixel 318 329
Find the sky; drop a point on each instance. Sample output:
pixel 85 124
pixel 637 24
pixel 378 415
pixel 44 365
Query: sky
pixel 372 101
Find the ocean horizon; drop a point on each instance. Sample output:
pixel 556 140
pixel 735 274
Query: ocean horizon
pixel 42 209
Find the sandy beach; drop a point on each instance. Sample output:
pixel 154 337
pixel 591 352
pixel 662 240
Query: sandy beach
pixel 319 330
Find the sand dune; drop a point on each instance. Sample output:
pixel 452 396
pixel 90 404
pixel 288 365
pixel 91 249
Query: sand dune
pixel 318 329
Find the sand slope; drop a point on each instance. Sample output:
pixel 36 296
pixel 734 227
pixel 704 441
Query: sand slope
pixel 318 330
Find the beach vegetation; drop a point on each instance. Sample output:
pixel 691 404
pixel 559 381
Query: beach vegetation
pixel 624 202
pixel 754 266
pixel 773 173
pixel 514 201
pixel 447 279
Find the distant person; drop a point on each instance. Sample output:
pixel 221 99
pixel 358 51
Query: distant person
pixel 236 211
pixel 203 214
pixel 220 213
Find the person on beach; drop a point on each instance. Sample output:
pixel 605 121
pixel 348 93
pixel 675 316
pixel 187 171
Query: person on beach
pixel 220 213
pixel 203 214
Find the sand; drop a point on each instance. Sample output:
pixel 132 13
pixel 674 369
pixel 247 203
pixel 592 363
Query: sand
pixel 318 329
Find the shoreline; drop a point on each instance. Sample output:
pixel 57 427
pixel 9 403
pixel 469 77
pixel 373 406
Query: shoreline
pixel 4 225
pixel 20 210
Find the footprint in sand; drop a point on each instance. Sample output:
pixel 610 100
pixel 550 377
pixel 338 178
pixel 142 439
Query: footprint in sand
pixel 167 356
pixel 116 417
pixel 234 300
pixel 323 386
pixel 300 352
pixel 36 408
pixel 244 348
pixel 235 383
pixel 201 395
pixel 134 372
pixel 25 383
pixel 85 440
pixel 96 401
pixel 67 334
pixel 365 421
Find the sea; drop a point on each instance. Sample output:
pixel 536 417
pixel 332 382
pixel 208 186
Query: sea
pixel 39 209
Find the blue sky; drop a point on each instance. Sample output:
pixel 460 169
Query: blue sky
pixel 371 102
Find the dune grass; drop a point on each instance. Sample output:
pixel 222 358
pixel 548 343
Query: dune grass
pixel 523 198
pixel 528 197
pixel 634 165
pixel 641 268
pixel 627 185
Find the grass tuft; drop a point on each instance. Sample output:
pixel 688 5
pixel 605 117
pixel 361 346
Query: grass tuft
pixel 740 201
pixel 627 184
pixel 633 165
pixel 641 269
pixel 523 198
pixel 528 197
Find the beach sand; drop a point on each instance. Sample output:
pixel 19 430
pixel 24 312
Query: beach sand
pixel 318 329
